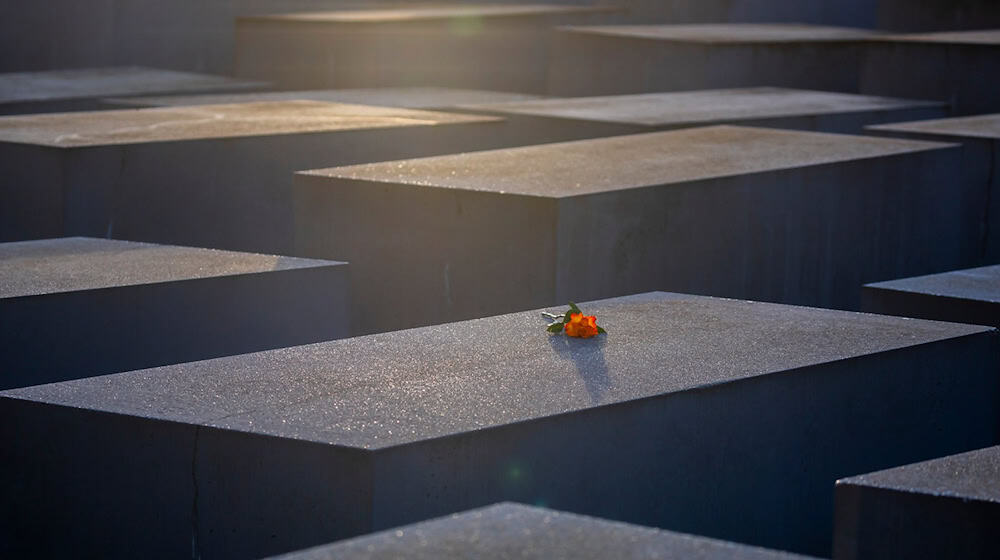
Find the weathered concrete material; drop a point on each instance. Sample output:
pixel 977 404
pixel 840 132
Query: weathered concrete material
pixel 772 215
pixel 980 139
pixel 683 417
pixel 771 107
pixel 963 296
pixel 501 47
pixel 961 67
pixel 611 59
pixel 943 508
pixel 82 90
pixel 510 530
pixel 409 97
pixel 208 176
pixel 79 307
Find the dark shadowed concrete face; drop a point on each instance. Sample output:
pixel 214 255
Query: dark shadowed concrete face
pixel 80 307
pixel 510 530
pixel 942 508
pixel 410 97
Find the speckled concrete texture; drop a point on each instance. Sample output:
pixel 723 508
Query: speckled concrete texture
pixel 79 307
pixel 706 106
pixel 729 33
pixel 410 97
pixel 976 126
pixel 942 508
pixel 516 531
pixel 661 422
pixel 396 15
pixel 79 89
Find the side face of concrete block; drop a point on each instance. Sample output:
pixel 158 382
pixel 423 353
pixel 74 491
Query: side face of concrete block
pixel 69 90
pixel 118 174
pixel 963 296
pixel 960 68
pixel 942 508
pixel 487 47
pixel 83 307
pixel 660 423
pixel 512 530
pixel 603 60
pixel 718 211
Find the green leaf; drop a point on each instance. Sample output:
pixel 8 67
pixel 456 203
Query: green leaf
pixel 573 309
pixel 555 327
pixel 600 330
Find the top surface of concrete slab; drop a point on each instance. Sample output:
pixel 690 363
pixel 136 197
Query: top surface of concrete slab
pixel 972 476
pixel 410 97
pixel 976 126
pixel 428 13
pixel 394 388
pixel 509 530
pixel 728 33
pixel 980 284
pixel 54 85
pixel 974 37
pixel 657 158
pixel 162 124
pixel 47 266
pixel 686 107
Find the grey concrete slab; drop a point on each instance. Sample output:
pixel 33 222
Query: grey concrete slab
pixel 78 307
pixel 82 89
pixel 961 67
pixel 509 530
pixel 499 46
pixel 942 508
pixel 409 97
pixel 208 176
pixel 613 59
pixel 793 217
pixel 763 106
pixel 980 139
pixel 724 418
pixel 964 296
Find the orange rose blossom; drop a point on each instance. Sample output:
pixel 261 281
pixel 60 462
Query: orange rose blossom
pixel 581 326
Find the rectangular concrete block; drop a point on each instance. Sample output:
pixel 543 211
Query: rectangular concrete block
pixel 763 106
pixel 961 67
pixel 208 176
pixel 980 139
pixel 611 59
pixel 80 307
pixel 723 418
pixel 410 97
pixel 791 217
pixel 81 90
pixel 509 530
pixel 495 46
pixel 963 296
pixel 943 508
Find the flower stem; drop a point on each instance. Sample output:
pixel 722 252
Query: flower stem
pixel 552 316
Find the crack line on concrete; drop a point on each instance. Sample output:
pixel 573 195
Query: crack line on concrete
pixel 990 179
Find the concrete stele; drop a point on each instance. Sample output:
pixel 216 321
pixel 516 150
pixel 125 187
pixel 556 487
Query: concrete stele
pixel 963 296
pixel 662 421
pixel 78 307
pixel 943 508
pixel 613 59
pixel 731 211
pixel 209 176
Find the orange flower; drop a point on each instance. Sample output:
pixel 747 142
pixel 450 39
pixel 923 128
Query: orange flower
pixel 580 326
